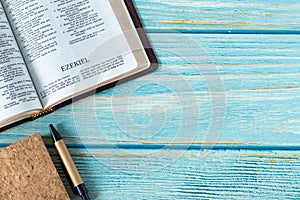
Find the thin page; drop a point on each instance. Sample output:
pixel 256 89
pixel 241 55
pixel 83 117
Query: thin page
pixel 17 92
pixel 70 46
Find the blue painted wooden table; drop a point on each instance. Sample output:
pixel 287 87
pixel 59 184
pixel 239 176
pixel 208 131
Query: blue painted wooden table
pixel 218 120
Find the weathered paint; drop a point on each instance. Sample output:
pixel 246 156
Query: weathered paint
pixel 254 47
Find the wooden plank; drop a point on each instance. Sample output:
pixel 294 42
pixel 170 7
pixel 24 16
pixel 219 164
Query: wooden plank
pixel 203 15
pixel 161 174
pixel 260 97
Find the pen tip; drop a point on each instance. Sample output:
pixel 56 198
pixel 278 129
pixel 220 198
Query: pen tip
pixel 55 135
pixel 82 191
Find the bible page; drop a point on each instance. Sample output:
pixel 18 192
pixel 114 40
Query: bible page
pixel 17 92
pixel 70 46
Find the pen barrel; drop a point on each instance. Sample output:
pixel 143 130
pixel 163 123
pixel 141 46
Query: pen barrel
pixel 68 163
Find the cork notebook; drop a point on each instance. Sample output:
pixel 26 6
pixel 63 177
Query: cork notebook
pixel 27 172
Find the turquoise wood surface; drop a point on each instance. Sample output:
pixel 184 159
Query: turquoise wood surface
pixel 221 15
pixel 218 120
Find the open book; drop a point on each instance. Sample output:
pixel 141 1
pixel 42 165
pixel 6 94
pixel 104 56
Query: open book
pixel 52 51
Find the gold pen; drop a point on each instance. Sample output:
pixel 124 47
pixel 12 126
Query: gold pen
pixel 69 163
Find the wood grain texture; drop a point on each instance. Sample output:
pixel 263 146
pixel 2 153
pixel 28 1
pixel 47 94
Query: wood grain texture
pixel 220 15
pixel 160 174
pixel 260 76
pixel 235 93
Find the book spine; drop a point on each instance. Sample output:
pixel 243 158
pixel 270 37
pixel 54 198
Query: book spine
pixel 43 112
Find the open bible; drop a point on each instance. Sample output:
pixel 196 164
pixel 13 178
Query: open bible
pixel 53 51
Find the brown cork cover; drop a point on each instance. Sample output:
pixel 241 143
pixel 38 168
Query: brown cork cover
pixel 27 172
